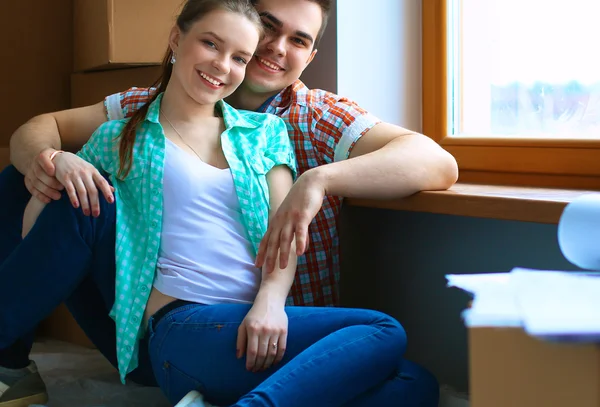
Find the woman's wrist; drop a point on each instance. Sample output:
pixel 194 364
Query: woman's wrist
pixel 55 153
pixel 271 294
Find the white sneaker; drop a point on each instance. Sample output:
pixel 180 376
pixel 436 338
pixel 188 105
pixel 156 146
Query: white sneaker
pixel 193 399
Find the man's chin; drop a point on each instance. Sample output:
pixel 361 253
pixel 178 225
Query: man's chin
pixel 261 85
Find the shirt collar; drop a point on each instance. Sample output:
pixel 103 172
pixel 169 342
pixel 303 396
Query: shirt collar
pixel 231 116
pixel 292 94
pixel 153 114
pixel 234 118
pixel 266 104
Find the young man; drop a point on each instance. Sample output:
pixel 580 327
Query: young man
pixel 337 143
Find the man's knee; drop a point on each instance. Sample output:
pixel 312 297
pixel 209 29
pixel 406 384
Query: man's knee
pixel 12 206
pixel 10 172
pixel 12 184
pixel 63 209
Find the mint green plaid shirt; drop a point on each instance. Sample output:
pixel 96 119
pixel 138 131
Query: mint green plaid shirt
pixel 253 143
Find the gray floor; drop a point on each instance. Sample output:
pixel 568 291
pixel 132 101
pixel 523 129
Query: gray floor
pixel 81 377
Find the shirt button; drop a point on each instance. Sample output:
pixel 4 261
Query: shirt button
pixel 154 223
pixel 129 348
pixel 135 319
pixel 155 191
pixel 144 288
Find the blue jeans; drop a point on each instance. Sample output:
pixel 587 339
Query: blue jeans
pixel 67 257
pixel 70 257
pixel 334 357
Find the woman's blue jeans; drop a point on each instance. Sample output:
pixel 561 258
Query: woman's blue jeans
pixel 70 257
pixel 334 357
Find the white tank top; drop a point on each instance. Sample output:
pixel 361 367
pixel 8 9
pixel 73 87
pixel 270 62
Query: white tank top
pixel 205 254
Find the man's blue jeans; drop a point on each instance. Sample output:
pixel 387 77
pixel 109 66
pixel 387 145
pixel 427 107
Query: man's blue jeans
pixel 334 357
pixel 67 257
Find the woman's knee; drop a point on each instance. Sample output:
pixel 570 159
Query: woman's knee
pixel 391 326
pixel 387 321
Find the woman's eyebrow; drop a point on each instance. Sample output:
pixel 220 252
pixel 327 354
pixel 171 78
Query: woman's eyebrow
pixel 214 35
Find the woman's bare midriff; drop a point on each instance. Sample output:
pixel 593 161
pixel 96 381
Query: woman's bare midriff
pixel 156 301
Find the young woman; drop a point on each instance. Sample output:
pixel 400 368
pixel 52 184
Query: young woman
pixel 195 182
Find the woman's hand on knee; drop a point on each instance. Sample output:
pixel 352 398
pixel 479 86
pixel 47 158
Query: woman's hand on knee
pixel 262 336
pixel 82 182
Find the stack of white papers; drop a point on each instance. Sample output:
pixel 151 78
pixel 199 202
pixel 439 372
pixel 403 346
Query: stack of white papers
pixel 550 304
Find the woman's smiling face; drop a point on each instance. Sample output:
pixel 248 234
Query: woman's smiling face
pixel 212 56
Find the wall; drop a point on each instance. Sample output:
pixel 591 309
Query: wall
pixel 36 60
pixel 379 58
pixel 322 71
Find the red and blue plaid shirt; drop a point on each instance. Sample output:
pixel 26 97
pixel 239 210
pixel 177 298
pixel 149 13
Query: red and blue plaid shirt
pixel 323 127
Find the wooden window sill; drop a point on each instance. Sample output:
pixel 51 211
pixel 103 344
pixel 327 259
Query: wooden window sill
pixel 541 205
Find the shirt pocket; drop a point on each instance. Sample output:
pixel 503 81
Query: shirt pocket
pixel 130 190
pixel 258 186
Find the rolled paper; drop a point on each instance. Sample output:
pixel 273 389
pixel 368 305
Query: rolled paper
pixel 579 232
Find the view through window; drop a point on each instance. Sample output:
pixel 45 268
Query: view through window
pixel 524 68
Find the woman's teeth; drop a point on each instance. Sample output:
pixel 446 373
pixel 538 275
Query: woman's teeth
pixel 209 79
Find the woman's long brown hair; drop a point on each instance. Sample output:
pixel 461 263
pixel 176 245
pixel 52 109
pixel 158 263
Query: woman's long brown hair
pixel 192 11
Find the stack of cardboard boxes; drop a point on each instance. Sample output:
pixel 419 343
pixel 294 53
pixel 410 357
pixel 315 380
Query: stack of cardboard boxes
pixel 117 44
pixel 35 63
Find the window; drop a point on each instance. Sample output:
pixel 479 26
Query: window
pixel 512 89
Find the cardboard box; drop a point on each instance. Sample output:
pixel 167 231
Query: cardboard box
pixel 92 87
pixel 36 39
pixel 509 368
pixel 116 33
pixel 62 326
pixel 4 157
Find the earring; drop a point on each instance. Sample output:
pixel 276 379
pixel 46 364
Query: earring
pixel 173 58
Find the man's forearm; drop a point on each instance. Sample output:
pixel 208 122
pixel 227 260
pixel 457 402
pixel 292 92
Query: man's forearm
pixel 404 166
pixel 67 129
pixel 38 134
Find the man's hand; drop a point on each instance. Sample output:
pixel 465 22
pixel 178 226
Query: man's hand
pixel 40 179
pixel 82 181
pixel 262 335
pixel 292 219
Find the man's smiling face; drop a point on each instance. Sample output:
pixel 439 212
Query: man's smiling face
pixel 291 28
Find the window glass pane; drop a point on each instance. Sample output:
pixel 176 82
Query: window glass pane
pixel 524 68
